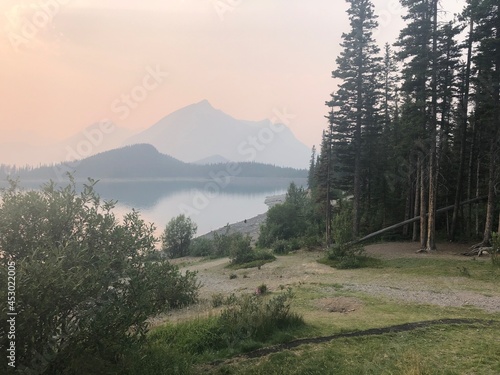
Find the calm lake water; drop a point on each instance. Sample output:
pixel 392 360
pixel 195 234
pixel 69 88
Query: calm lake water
pixel 210 205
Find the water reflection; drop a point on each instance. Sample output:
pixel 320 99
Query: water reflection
pixel 159 201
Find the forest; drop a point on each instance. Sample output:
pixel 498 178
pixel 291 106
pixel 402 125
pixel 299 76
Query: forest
pixel 414 129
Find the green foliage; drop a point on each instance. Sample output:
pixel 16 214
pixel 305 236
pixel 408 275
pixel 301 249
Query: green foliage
pixel 286 246
pixel 293 219
pixel 241 249
pixel 222 244
pixel 177 236
pixel 84 283
pixel 242 252
pixel 345 254
pixel 261 289
pixel 246 320
pixel 201 247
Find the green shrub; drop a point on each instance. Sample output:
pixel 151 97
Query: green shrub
pixel 345 254
pixel 252 317
pixel 222 243
pixel 281 247
pixel 245 321
pixel 177 236
pixel 201 247
pixel 312 242
pixel 241 249
pixel 261 289
pixel 287 220
pixel 84 284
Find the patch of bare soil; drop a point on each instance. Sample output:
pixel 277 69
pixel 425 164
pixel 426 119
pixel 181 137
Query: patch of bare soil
pixel 392 250
pixel 339 304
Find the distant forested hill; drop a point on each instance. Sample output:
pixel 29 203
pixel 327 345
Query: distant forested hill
pixel 143 161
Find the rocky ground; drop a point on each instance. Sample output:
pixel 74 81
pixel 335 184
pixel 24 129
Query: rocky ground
pixel 251 226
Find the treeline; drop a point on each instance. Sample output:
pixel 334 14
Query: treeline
pixel 415 127
pixel 144 161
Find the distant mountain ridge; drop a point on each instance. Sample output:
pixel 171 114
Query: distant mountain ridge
pixel 199 131
pixel 143 161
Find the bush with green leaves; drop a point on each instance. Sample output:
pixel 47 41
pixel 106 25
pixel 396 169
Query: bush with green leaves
pixel 346 254
pixel 241 249
pixel 248 318
pixel 85 285
pixel 177 236
pixel 201 247
pixel 242 255
pixel 286 220
pixel 253 317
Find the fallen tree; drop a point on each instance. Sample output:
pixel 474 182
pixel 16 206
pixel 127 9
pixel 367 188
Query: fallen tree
pixel 417 218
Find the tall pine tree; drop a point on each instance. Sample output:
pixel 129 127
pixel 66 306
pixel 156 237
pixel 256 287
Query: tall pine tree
pixel 354 102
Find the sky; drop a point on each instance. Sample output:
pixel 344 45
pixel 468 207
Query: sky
pixel 66 64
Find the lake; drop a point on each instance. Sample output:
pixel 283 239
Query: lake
pixel 210 205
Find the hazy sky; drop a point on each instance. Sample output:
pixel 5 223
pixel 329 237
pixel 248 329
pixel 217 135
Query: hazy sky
pixel 66 64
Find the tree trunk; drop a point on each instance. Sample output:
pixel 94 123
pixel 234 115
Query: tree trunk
pixel 416 202
pixel 463 134
pixel 423 205
pixel 413 220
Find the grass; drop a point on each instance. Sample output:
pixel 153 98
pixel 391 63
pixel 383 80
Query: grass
pixel 192 347
pixel 434 350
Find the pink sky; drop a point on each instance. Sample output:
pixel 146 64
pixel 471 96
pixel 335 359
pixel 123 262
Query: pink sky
pixel 67 63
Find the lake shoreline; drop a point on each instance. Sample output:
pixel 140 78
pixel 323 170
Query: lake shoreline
pixel 249 226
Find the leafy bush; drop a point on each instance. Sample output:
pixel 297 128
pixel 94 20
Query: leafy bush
pixel 286 246
pixel 261 289
pixel 201 247
pixel 177 236
pixel 84 283
pixel 248 318
pixel 345 254
pixel 281 247
pixel 241 249
pixel 222 243
pixel 286 220
pixel 252 317
pixel 242 253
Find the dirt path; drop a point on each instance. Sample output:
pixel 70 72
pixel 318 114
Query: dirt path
pixel 302 268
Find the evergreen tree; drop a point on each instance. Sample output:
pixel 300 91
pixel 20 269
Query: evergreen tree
pixel 358 68
pixel 487 60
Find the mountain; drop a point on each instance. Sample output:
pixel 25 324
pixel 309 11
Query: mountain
pixel 96 138
pixel 214 159
pixel 143 161
pixel 198 131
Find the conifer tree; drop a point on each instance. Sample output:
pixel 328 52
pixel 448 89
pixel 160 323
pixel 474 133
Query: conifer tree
pixel 358 68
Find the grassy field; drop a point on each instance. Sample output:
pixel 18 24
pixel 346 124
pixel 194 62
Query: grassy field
pixel 396 289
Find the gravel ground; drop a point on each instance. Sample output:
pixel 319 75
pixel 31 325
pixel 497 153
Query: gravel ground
pixel 302 268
